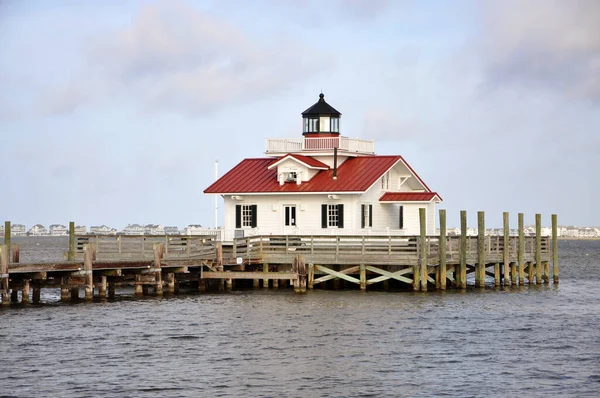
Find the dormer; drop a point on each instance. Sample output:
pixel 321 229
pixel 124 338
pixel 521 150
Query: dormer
pixel 296 168
pixel 321 120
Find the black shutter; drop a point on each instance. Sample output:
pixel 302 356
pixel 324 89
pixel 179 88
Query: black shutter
pixel 293 218
pixel 254 211
pixel 370 215
pixel 323 216
pixel 401 217
pixel 287 216
pixel 340 216
pixel 238 216
pixel 362 216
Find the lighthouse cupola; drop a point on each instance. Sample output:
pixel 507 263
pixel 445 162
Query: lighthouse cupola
pixel 321 120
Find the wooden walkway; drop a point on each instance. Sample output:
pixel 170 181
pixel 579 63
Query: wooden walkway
pixel 159 264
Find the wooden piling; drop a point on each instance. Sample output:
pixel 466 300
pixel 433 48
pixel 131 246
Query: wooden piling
pixel 301 274
pixel 228 284
pixel 7 237
pixel 555 248
pixel 521 251
pixel 295 270
pixel 461 275
pixel 103 285
pixel 311 275
pixel 139 290
pixel 506 249
pixel 363 277
pixel 265 281
pixel 513 273
pixel 64 290
pixel 480 267
pixel 423 249
pixel 538 249
pixel 37 294
pixel 497 276
pixel 16 252
pixel 25 291
pixel 159 251
pixel 88 258
pixel 171 283
pixel 443 240
pixel 530 272
pixel 71 255
pixel 4 278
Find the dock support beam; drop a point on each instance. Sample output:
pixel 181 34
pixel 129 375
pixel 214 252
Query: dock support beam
pixel 461 275
pixel 159 250
pixel 555 248
pixel 311 276
pixel 25 291
pixel 443 239
pixel 171 283
pixel 71 255
pixel 265 281
pixel 521 251
pixel 423 249
pixel 102 287
pixel 506 250
pixel 4 287
pixel 480 267
pixel 88 258
pixel 363 277
pixel 538 249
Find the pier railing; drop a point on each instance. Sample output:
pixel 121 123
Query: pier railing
pixel 141 246
pixel 376 249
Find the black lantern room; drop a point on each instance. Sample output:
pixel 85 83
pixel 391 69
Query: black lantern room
pixel 321 120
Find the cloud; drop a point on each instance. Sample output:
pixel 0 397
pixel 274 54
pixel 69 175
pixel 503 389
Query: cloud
pixel 550 45
pixel 177 58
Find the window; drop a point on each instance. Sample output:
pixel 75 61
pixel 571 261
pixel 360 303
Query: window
pixel 313 125
pixel 305 125
pixel 332 216
pixel 335 125
pixel 290 216
pixel 401 217
pixel 245 216
pixel 366 216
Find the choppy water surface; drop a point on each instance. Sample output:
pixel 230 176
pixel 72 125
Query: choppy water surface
pixel 529 341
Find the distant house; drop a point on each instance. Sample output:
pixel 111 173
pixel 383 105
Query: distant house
pixel 102 230
pixel 154 229
pixel 171 230
pixel 324 183
pixel 194 229
pixel 58 230
pixel 80 230
pixel 37 230
pixel 17 230
pixel 134 229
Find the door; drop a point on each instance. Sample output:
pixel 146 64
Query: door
pixel 289 219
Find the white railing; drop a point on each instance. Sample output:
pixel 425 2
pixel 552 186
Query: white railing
pixel 311 144
pixel 228 235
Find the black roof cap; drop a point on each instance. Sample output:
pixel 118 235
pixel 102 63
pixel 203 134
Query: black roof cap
pixel 321 108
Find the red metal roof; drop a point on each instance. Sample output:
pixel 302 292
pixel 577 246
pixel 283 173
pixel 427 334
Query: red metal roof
pixel 307 160
pixel 354 175
pixel 409 197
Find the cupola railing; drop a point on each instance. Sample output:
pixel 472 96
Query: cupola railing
pixel 320 144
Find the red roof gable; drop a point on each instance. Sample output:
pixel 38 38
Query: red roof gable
pixel 354 175
pixel 307 160
pixel 409 197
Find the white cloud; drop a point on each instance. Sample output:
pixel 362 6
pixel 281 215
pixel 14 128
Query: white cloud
pixel 550 45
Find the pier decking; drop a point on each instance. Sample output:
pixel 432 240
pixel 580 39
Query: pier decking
pixel 164 263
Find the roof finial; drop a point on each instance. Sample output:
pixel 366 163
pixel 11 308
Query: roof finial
pixel 321 96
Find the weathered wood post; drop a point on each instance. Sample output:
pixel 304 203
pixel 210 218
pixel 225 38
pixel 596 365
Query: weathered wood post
pixel 311 275
pixel 88 258
pixel 506 250
pixel 37 294
pixel 112 287
pixel 442 242
pixel 423 248
pixel 4 287
pixel 295 270
pixel 171 283
pixel 521 251
pixel 7 237
pixel 266 271
pixel 139 287
pixel 103 286
pixel 480 267
pixel 228 283
pixel 497 275
pixel 71 255
pixel 555 248
pixel 302 273
pixel 220 266
pixel 64 289
pixel 363 277
pixel 16 252
pixel 538 249
pixel 461 275
pixel 159 250
pixel 276 281
pixel 25 291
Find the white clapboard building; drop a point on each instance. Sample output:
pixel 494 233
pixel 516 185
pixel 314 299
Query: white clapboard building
pixel 323 183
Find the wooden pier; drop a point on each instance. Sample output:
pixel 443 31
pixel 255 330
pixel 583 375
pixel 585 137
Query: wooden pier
pixel 162 264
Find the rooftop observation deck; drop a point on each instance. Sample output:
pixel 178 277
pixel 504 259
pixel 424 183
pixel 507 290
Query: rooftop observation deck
pixel 316 145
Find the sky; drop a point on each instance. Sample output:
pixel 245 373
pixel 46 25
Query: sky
pixel 114 112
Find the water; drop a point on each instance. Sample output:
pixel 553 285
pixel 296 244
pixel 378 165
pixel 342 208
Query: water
pixel 531 341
